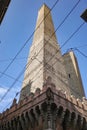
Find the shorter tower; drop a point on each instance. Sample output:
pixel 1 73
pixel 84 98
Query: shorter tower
pixel 74 77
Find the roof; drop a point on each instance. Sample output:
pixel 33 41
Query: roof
pixel 3 8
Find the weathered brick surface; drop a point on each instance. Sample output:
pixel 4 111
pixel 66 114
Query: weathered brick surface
pixel 45 58
pixel 74 78
pixel 50 108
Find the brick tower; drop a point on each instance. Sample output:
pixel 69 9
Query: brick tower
pixel 74 77
pixel 45 58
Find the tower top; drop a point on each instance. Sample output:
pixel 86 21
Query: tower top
pixel 44 6
pixel 44 25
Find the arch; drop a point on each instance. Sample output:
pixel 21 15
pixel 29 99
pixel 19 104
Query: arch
pixel 66 120
pixel 44 106
pixel 53 106
pixel 67 112
pixel 60 111
pixel 73 116
pixel 37 109
pixel 84 124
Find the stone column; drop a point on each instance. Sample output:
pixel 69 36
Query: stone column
pixel 9 126
pixel 72 121
pixel 59 118
pixel 48 117
pixel 27 121
pixel 19 126
pixel 84 124
pixel 23 123
pixel 15 124
pixel 79 123
pixel 32 119
pixel 66 120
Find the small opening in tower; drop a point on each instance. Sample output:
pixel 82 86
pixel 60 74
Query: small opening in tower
pixel 69 75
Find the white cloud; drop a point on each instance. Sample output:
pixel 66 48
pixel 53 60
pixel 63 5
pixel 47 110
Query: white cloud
pixel 2 91
pixel 8 99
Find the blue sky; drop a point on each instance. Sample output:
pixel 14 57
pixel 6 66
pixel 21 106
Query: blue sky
pixel 17 26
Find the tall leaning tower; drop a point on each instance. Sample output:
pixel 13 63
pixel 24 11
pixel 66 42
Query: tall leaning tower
pixel 45 60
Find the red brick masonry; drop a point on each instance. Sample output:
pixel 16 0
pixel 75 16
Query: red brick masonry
pixel 46 109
